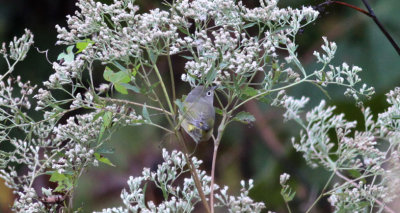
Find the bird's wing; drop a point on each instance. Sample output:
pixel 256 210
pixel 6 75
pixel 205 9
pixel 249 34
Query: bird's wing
pixel 201 117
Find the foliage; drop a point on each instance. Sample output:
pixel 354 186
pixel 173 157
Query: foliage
pixel 250 53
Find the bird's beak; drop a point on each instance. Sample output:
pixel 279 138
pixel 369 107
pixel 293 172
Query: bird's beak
pixel 214 87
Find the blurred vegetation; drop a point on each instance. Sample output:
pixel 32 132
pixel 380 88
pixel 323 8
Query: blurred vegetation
pixel 261 151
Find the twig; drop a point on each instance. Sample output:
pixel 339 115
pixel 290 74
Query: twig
pixel 370 13
pixel 221 129
pixel 322 192
pixel 213 177
pixel 171 73
pixel 193 171
pixel 384 31
pixel 134 103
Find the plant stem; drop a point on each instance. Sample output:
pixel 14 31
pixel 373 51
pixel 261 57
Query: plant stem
pixel 288 207
pixel 164 89
pixel 193 171
pixel 221 129
pixel 134 103
pixel 171 73
pixel 322 192
pixel 213 177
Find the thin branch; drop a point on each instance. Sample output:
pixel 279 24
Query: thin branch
pixel 217 141
pixel 322 192
pixel 193 171
pixel 370 13
pixel 171 73
pixel 134 103
pixel 384 31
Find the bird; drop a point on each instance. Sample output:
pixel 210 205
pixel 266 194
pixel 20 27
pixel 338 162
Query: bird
pixel 198 114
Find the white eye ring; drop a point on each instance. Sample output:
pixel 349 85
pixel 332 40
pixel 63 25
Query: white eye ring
pixel 209 93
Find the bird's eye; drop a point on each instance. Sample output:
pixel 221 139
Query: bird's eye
pixel 209 93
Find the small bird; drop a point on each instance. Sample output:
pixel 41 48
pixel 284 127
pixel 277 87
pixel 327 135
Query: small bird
pixel 198 114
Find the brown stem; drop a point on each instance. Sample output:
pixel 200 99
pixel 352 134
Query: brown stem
pixel 193 172
pixel 213 177
pixel 221 129
pixel 370 13
pixel 384 31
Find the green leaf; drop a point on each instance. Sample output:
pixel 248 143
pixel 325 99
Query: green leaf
pixel 135 70
pixel 64 182
pixel 116 77
pixel 131 87
pixel 83 44
pixel 179 103
pixel 287 194
pixel 119 66
pixel 98 115
pixel 107 118
pixel 153 57
pixel 145 114
pixel 187 57
pixel 183 30
pixel 121 89
pixel 103 159
pixel 57 177
pixel 218 111
pixel 244 117
pixel 249 25
pixel 67 56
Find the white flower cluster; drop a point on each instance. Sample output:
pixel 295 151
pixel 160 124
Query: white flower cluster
pixel 340 75
pixel 18 48
pixel 180 197
pixel 65 72
pixel 371 153
pixel 7 99
pixel 124 115
pixel 227 48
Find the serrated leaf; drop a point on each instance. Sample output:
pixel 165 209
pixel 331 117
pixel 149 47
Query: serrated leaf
pixel 83 44
pixel 131 87
pixel 244 117
pixel 103 159
pixel 67 56
pixel 145 114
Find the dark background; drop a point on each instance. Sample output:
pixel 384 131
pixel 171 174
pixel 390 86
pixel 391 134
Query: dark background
pixel 261 151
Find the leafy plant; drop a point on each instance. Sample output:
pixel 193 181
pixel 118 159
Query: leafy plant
pixel 250 53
